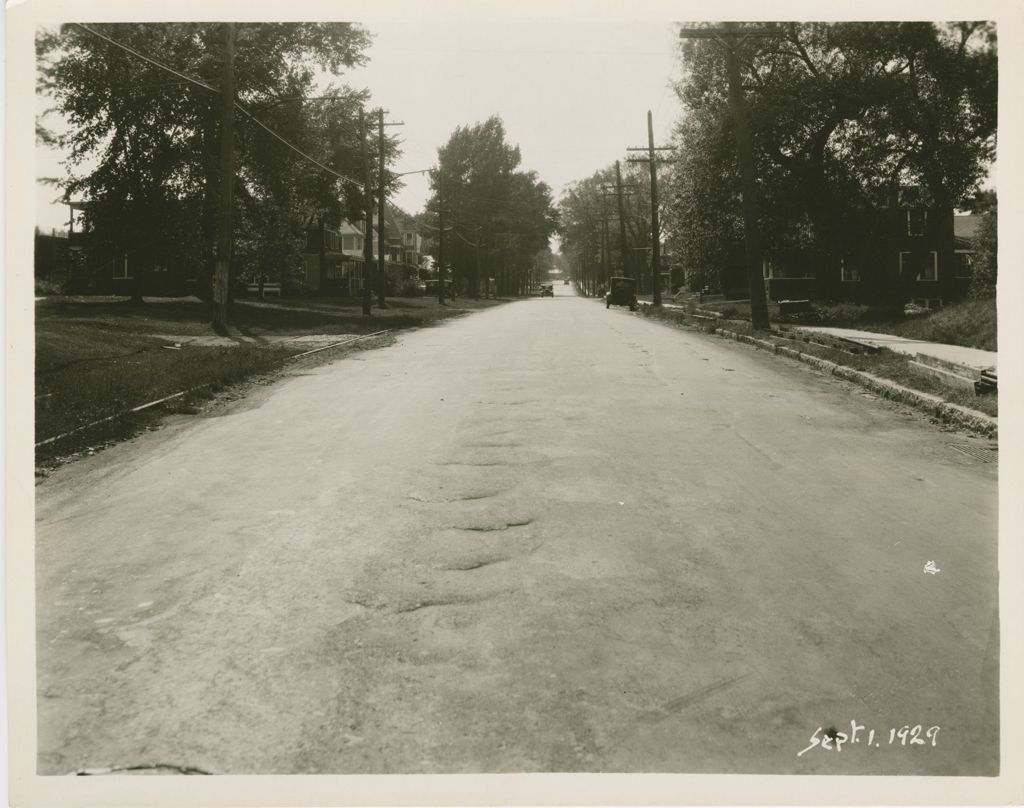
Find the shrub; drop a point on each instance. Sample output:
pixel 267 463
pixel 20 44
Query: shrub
pixel 46 287
pixel 985 274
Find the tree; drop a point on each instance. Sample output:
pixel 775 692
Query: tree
pixel 843 115
pixel 489 202
pixel 144 140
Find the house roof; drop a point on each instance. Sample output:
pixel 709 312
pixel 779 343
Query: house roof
pixel 346 228
pixel 966 226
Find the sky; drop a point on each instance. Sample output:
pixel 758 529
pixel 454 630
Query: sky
pixel 573 93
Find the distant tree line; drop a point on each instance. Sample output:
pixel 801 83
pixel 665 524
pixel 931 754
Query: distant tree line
pixel 497 217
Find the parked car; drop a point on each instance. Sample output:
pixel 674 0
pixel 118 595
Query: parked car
pixel 621 292
pixel 547 290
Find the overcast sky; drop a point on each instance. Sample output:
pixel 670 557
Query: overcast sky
pixel 572 79
pixel 573 93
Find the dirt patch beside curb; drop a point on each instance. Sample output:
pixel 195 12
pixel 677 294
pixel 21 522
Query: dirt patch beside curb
pixel 954 414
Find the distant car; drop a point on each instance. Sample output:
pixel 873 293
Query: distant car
pixel 547 290
pixel 565 282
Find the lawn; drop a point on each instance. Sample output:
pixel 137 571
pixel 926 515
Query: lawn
pixel 971 323
pixel 99 357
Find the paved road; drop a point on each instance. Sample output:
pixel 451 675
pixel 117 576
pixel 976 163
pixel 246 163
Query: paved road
pixel 546 537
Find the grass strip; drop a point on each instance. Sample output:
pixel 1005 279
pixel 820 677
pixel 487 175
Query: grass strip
pixel 97 358
pixel 970 323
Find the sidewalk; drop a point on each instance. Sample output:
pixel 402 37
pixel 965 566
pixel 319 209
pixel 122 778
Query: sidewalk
pixel 969 357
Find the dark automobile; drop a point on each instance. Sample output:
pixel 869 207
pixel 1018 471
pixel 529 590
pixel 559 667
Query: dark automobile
pixel 621 292
pixel 547 290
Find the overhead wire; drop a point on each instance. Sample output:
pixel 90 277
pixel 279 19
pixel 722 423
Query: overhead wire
pixel 296 149
pixel 241 108
pixel 237 105
pixel 145 58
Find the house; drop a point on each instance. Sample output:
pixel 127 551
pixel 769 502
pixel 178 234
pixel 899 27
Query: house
pixel 965 231
pixel 917 252
pixel 95 267
pixel 334 258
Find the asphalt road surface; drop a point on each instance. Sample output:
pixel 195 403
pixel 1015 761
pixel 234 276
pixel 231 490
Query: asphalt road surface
pixel 545 537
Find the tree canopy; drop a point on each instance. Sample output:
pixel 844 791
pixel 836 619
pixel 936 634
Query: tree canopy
pixel 489 201
pixel 143 139
pixel 843 115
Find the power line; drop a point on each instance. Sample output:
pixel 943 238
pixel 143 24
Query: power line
pixel 296 149
pixel 237 105
pixel 465 240
pixel 145 58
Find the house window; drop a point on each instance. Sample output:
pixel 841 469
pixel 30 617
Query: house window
pixel 410 257
pixel 964 263
pixel 120 268
pixel 409 238
pixel 917 219
pixel 848 274
pixel 926 264
pixel 929 269
pixel 347 243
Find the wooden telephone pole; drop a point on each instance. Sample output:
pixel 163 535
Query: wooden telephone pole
pixel 605 263
pixel 655 226
pixel 622 217
pixel 368 235
pixel 730 37
pixel 225 231
pixel 381 274
pixel 440 237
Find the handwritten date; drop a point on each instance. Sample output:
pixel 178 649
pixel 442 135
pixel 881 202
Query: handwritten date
pixel 834 740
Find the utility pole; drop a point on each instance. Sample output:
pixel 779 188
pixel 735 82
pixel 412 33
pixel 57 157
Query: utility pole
pixel 368 235
pixel 381 274
pixel 380 211
pixel 440 237
pixel 619 193
pixel 730 37
pixel 225 234
pixel 622 217
pixel 655 227
pixel 605 262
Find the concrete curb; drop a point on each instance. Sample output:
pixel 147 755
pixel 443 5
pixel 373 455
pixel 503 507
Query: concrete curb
pixel 933 405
